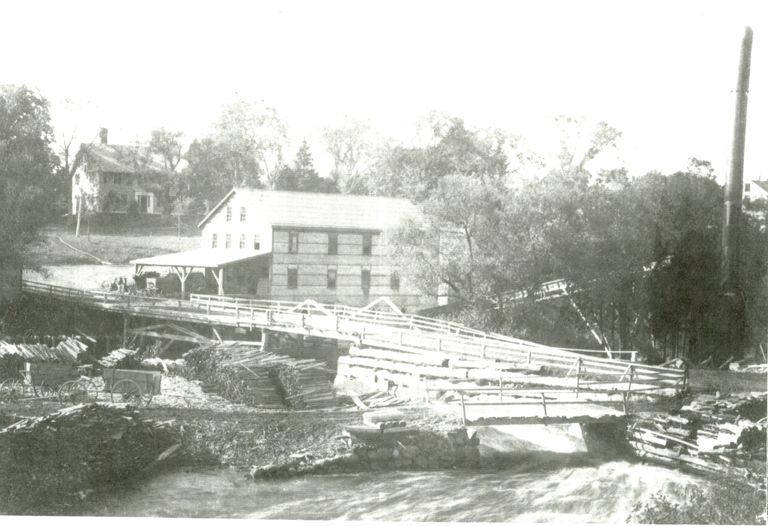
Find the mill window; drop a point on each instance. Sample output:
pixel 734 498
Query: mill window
pixel 365 281
pixel 242 214
pixel 293 242
pixel 214 240
pixel 228 241
pixel 293 277
pixel 367 243
pixel 333 244
pixel 229 213
pixel 394 281
pixel 242 241
pixel 331 278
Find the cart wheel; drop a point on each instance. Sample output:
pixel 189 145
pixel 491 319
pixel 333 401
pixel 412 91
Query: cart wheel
pixel 128 391
pixel 44 391
pixel 11 389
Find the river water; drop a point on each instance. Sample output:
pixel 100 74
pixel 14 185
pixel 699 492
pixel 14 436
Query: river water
pixel 568 488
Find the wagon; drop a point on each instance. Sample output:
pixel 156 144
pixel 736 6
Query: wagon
pixel 137 387
pixel 43 381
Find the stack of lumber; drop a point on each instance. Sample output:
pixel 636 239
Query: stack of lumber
pixel 120 359
pixel 306 384
pixel 67 351
pixel 238 373
pixel 709 433
pixel 250 375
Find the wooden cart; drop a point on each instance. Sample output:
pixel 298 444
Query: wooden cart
pixel 137 387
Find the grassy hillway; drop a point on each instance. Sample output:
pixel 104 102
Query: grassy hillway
pixel 116 249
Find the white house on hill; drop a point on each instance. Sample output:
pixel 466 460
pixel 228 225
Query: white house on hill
pixel 117 178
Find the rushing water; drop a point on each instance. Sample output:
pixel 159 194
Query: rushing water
pixel 532 492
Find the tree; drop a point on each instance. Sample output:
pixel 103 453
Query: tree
pixel 254 138
pixel 27 165
pixel 352 152
pixel 302 176
pixel 247 143
pixel 167 145
pixel 415 172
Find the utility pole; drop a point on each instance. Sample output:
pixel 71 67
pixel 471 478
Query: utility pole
pixel 732 221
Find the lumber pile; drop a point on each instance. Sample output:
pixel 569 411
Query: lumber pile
pixel 250 375
pixel 306 384
pixel 50 460
pixel 120 359
pixel 708 434
pixel 67 350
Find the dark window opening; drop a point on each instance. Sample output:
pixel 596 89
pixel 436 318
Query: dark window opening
pixel 242 240
pixel 228 241
pixel 293 278
pixel 394 281
pixel 746 187
pixel 365 281
pixel 293 242
pixel 242 213
pixel 333 244
pixel 214 240
pixel 229 213
pixel 331 278
pixel 367 243
pixel 256 244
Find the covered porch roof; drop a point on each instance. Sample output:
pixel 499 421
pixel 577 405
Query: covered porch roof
pixel 200 258
pixel 183 263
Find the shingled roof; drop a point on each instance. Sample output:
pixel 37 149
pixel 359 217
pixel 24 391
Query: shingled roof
pixel 309 209
pixel 115 158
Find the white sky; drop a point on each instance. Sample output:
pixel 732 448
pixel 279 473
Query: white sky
pixel 661 72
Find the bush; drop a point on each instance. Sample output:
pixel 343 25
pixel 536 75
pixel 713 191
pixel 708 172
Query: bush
pixel 723 502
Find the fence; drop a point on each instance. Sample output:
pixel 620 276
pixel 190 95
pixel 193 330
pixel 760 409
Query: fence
pixel 369 327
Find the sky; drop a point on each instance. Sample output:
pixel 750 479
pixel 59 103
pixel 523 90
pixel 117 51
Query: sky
pixel 663 73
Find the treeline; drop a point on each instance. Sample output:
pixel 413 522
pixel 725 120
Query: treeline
pixel 642 253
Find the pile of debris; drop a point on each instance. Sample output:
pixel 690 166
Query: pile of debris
pixel 48 462
pixel 247 374
pixel 708 434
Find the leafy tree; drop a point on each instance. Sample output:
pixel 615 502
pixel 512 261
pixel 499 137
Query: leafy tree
pixel 246 145
pixel 302 176
pixel 167 145
pixel 352 151
pixel 27 165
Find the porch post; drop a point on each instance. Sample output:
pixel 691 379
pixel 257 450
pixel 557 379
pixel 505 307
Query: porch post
pixel 221 281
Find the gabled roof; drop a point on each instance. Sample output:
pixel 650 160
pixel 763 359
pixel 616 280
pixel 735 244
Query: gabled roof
pixel 115 158
pixel 316 210
pixel 762 184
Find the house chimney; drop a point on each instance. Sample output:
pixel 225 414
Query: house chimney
pixel 103 135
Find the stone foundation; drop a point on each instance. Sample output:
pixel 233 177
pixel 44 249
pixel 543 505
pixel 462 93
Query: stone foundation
pixel 420 450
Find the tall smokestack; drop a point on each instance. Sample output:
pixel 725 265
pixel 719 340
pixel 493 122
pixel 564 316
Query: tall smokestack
pixel 103 135
pixel 735 183
pixel 734 308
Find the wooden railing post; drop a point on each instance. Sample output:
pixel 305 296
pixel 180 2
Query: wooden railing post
pixel 501 391
pixel 463 409
pixel 631 374
pixel 578 376
pixel 544 404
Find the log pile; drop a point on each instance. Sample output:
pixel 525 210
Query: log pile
pixel 726 435
pixel 52 460
pixel 67 351
pixel 306 384
pixel 247 374
pixel 120 359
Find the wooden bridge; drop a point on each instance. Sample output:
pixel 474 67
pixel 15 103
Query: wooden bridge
pixel 422 355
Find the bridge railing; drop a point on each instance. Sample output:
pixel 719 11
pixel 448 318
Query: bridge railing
pixel 378 328
pixel 405 332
